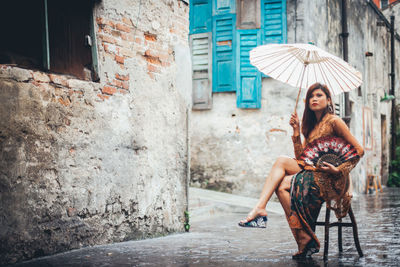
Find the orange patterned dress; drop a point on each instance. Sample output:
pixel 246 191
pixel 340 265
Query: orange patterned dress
pixel 310 187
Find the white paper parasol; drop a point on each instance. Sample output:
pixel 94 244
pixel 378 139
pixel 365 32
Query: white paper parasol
pixel 302 65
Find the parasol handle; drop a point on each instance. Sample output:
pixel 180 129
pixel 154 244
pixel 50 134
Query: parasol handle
pixel 297 100
pixel 301 81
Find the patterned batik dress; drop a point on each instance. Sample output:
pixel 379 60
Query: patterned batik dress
pixel 310 189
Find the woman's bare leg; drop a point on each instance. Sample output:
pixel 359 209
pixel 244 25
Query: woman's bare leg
pixel 282 166
pixel 283 193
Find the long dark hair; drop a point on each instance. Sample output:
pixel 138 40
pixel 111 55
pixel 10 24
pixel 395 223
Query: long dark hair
pixel 309 119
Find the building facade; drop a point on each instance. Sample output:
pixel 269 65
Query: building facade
pixel 233 145
pixel 94 123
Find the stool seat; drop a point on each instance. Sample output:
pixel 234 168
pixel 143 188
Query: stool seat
pixel 339 224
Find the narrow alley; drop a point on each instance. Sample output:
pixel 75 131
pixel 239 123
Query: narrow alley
pixel 216 240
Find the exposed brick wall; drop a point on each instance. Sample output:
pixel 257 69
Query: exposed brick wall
pixel 121 40
pixel 54 88
pixel 115 39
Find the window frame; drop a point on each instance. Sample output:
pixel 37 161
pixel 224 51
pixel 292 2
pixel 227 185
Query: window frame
pixel 46 42
pixel 31 40
pixel 257 18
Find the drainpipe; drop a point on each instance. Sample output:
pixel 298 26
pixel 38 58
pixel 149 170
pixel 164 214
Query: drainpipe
pixel 392 82
pixel 345 44
pixel 187 219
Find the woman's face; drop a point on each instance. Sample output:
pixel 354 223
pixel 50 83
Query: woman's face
pixel 318 100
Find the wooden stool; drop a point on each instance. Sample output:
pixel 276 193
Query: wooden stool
pixel 339 224
pixel 372 180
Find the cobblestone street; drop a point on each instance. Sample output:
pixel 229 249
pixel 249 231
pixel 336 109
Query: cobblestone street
pixel 218 241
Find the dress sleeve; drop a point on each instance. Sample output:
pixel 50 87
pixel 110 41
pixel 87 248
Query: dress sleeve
pixel 341 182
pixel 340 128
pixel 347 166
pixel 298 147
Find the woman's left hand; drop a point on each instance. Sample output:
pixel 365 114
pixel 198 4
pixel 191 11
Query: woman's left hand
pixel 327 167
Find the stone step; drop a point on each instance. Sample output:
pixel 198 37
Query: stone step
pixel 204 204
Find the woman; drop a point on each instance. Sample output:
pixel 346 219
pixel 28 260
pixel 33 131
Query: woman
pixel 302 195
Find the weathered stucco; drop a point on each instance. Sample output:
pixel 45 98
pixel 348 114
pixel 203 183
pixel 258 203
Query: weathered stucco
pixel 394 10
pixel 233 149
pixel 85 163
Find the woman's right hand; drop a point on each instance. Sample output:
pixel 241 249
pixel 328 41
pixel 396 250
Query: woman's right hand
pixel 294 122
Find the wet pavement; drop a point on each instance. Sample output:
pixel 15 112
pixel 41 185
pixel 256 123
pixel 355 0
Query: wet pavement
pixel 218 241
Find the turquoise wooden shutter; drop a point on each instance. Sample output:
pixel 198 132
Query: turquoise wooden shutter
pixel 200 16
pixel 221 7
pixel 273 20
pixel 248 94
pixel 224 42
pixel 200 45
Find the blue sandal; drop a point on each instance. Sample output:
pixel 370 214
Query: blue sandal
pixel 257 222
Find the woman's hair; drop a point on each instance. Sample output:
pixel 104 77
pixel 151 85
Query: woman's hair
pixel 309 119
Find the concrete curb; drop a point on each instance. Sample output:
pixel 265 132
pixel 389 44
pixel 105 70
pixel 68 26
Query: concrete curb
pixel 204 204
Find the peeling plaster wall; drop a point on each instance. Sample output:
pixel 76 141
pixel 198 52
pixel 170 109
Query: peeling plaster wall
pixel 85 163
pixel 372 38
pixel 233 149
pixel 394 10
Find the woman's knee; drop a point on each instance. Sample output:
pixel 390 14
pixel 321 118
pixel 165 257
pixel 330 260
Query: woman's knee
pixel 287 164
pixel 279 190
pixel 284 186
pixel 282 161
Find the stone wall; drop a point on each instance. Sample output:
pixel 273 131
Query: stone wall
pixel 364 36
pixel 85 163
pixel 233 149
pixel 394 10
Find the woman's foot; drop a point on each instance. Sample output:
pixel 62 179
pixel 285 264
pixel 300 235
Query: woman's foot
pixel 256 212
pixel 299 255
pixel 306 251
pixel 258 222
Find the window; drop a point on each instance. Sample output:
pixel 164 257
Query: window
pixel 337 109
pixel 384 4
pixel 248 14
pixel 49 35
pixel 234 28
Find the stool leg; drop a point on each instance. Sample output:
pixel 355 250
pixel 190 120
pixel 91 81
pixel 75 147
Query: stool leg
pixel 375 185
pixel 340 235
pixel 326 241
pixel 355 232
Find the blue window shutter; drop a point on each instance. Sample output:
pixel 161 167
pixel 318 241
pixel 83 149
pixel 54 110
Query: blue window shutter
pixel 200 46
pixel 221 7
pixel 248 94
pixel 200 16
pixel 273 21
pixel 224 45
